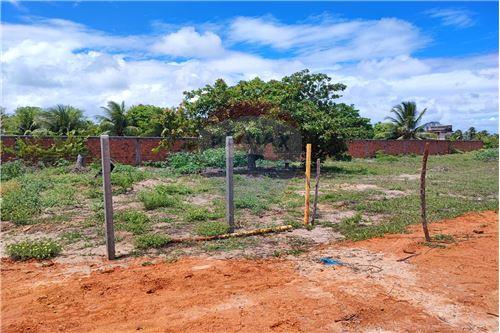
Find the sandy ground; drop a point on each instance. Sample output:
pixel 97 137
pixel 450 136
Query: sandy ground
pixel 450 289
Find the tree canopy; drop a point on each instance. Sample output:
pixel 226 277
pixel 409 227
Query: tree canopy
pixel 303 100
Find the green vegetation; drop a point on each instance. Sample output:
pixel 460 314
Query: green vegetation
pixel 212 228
pixel 406 121
pixel 194 214
pixel 34 249
pixel 193 162
pixel 490 154
pixel 11 170
pixel 71 236
pixel 132 221
pixel 159 196
pixel 150 241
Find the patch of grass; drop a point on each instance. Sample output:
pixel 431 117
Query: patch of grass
pixel 10 170
pixel 132 221
pixel 19 206
pixel 71 237
pixel 229 244
pixel 59 195
pixel 381 156
pixel 212 228
pixel 157 197
pixel 123 177
pixel 194 214
pixel 443 238
pixel 149 241
pixel 490 154
pixel 34 249
pixel 174 189
pixel 251 202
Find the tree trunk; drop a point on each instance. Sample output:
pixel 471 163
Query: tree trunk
pixel 251 159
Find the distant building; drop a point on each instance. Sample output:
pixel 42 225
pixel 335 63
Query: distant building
pixel 441 130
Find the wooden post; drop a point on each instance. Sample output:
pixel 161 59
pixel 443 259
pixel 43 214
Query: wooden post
pixel 308 183
pixel 229 183
pixel 108 197
pixel 316 190
pixel 423 213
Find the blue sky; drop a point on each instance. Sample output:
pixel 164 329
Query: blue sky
pixel 444 55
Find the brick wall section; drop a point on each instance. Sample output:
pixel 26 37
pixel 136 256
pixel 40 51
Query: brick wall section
pixel 134 150
pixel 368 148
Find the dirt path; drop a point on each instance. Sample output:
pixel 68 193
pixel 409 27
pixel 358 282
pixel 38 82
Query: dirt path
pixel 452 289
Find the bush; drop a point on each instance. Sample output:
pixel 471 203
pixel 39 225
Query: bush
pixel 213 228
pixel 11 170
pixel 151 241
pixel 486 154
pixel 157 197
pixel 185 162
pixel 132 221
pixel 34 249
pixel 62 148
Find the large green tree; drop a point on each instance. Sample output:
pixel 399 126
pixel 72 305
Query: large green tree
pixel 407 120
pixel 62 119
pixel 304 100
pixel 25 119
pixel 384 131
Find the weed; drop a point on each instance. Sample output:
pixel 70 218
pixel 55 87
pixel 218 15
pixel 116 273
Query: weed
pixel 381 156
pixel 132 221
pixel 147 263
pixel 71 237
pixel 9 170
pixel 213 228
pixel 200 214
pixel 443 238
pixel 34 249
pixel 149 241
pixel 490 154
pixel 225 244
pixel 157 197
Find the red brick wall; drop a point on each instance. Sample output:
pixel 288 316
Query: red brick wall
pixel 368 148
pixel 134 150
pixel 127 150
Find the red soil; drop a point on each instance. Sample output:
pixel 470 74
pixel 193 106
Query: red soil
pixel 452 289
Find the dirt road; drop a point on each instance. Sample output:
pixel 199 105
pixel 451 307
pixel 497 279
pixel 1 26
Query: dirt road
pixel 451 289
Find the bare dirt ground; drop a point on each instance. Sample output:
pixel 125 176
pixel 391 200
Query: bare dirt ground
pixel 379 289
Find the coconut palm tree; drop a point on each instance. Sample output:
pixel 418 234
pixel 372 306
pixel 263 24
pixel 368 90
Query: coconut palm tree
pixel 62 119
pixel 115 120
pixel 407 120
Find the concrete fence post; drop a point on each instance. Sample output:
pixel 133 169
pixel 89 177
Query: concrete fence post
pixel 108 197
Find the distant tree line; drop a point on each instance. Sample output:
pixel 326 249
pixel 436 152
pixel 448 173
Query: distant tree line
pixel 305 101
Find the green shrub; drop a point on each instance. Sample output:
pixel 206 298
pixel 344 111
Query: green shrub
pixel 151 241
pixel 20 205
pixel 34 249
pixel 212 228
pixel 186 162
pixel 62 148
pixel 157 197
pixel 11 170
pixel 124 177
pixel 381 156
pixel 132 221
pixel 490 154
pixel 173 189
pixel 200 214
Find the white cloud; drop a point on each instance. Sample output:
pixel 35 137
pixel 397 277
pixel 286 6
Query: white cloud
pixel 52 61
pixel 452 17
pixel 337 41
pixel 188 43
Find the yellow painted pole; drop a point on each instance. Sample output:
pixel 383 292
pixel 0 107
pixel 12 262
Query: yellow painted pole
pixel 308 183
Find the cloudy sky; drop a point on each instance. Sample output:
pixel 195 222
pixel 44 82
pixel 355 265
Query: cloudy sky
pixel 443 55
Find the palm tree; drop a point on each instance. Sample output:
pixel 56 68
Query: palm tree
pixel 407 120
pixel 62 119
pixel 25 119
pixel 115 120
